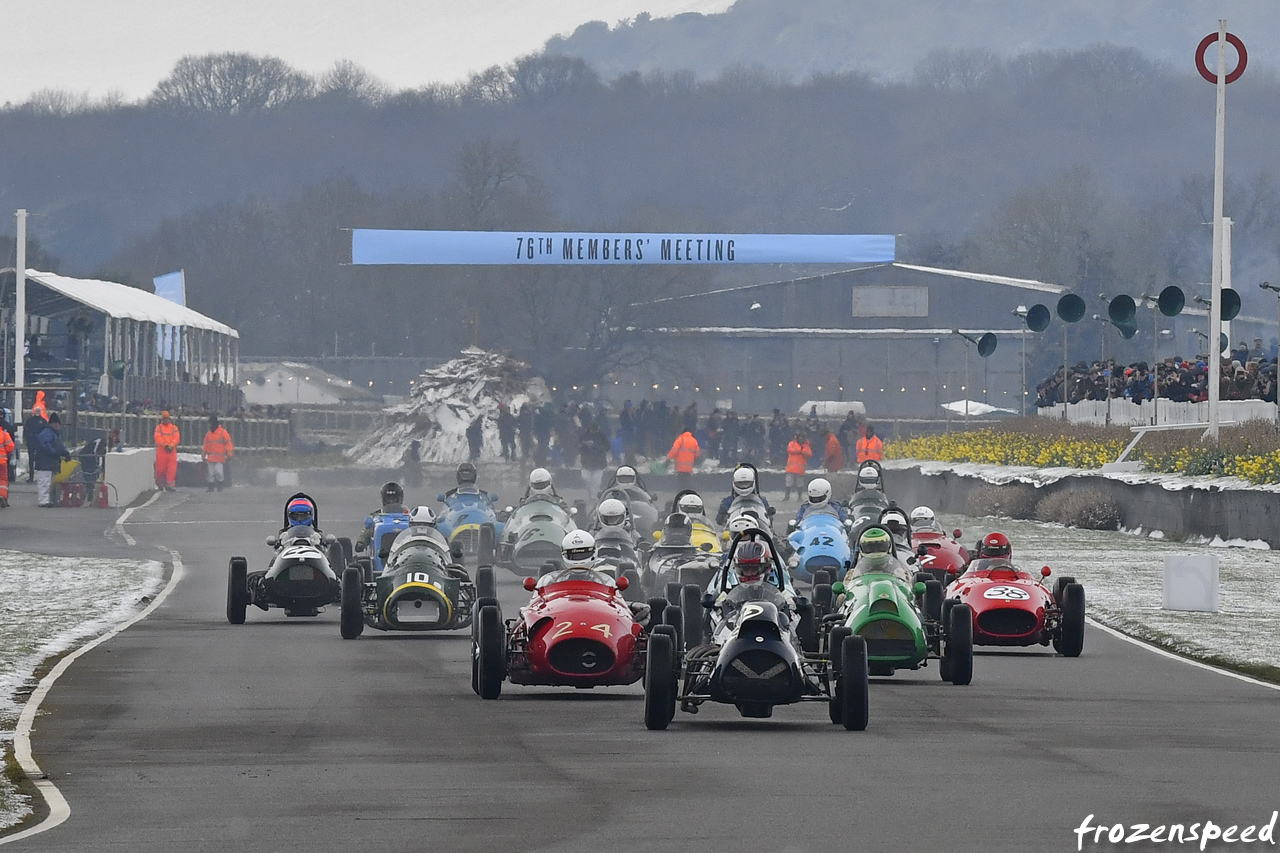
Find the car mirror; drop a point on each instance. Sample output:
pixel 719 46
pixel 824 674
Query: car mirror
pixel 708 601
pixel 911 561
pixel 508 509
pixel 273 540
pixel 848 524
pixel 706 547
pixel 573 510
pixel 922 550
pixel 329 539
pixel 838 588
pixel 918 589
pixel 530 584
pixel 622 583
pixel 956 534
pixel 771 512
pixel 791 524
pixel 1045 572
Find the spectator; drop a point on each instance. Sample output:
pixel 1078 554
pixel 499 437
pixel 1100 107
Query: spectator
pixel 475 437
pixel 833 459
pixel 798 454
pixel 870 448
pixel 50 453
pixel 507 431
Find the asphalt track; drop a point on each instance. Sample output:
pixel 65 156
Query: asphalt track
pixel 187 733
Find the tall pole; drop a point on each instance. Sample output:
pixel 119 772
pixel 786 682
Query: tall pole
pixel 1266 285
pixel 20 323
pixel 1023 408
pixel 1155 365
pixel 1215 307
pixel 1065 362
pixel 1227 228
pixel 966 385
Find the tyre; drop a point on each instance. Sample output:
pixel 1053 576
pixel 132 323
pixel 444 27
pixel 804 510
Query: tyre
pixel 488 539
pixel 347 550
pixel 366 568
pixel 1072 642
pixel 351 614
pixel 933 600
pixel 1058 586
pixel 673 593
pixel 486 582
pixel 656 607
pixel 337 559
pixel 944 662
pixel 807 631
pixel 634 590
pixel 660 679
pixel 237 590
pixel 853 686
pixel 823 599
pixel 691 609
pixel 673 618
pixel 960 644
pixel 491 653
pixel 821 576
pixel 834 639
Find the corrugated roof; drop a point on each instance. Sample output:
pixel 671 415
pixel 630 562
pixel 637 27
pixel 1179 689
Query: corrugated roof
pixel 123 302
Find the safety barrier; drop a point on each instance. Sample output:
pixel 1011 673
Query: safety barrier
pixel 249 435
pixel 1125 413
pixel 129 474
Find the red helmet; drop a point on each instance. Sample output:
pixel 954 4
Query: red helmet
pixel 751 558
pixel 996 545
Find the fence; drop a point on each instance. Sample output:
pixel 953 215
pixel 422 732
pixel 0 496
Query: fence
pixel 219 396
pixel 1124 413
pixel 249 435
pixel 351 423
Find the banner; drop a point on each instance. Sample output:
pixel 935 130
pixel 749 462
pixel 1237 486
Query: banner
pixel 173 287
pixel 372 246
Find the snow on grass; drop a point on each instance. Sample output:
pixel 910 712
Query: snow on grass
pixel 1123 577
pixel 49 605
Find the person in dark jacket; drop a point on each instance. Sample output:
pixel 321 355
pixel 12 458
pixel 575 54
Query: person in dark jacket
pixel 593 447
pixel 475 437
pixel 31 429
pixel 50 452
pixel 507 431
pixel 524 426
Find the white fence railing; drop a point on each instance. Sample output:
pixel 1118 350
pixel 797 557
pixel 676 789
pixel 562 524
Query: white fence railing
pixel 1125 413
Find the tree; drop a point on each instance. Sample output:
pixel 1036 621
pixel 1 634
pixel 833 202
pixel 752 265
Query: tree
pixel 346 79
pixel 231 83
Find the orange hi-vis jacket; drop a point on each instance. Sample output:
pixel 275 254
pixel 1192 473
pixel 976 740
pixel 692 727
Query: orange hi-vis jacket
pixel 217 445
pixel 798 456
pixel 870 449
pixel 39 407
pixel 6 446
pixel 167 437
pixel 685 452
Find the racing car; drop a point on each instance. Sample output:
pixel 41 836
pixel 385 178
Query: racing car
pixel 303 573
pixel 1012 607
pixel 386 527
pixel 678 558
pixel 902 621
pixel 576 631
pixel 754 658
pixel 421 588
pixel 532 533
pixel 469 519
pixel 937 553
pixel 821 545
pixel 868 500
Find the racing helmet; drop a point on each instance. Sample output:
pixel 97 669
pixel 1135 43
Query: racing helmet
pixel 819 492
pixel 301 513
pixel 422 515
pixel 578 549
pixel 995 545
pixel 540 482
pixel 625 476
pixel 744 481
pixel 392 494
pixel 874 550
pixel 895 520
pixel 751 559
pixel 691 504
pixel 677 529
pixel 868 477
pixel 612 512
pixel 743 523
pixel 466 474
pixel 922 516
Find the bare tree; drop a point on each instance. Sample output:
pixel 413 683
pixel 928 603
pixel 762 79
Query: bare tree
pixel 486 172
pixel 231 83
pixel 543 75
pixel 348 80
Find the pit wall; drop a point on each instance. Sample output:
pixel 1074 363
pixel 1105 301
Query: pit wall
pixel 1229 514
pixel 129 473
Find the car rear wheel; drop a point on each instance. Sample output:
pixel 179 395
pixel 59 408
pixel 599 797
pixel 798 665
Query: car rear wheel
pixel 821 576
pixel 486 548
pixel 351 613
pixel 834 641
pixel 673 592
pixel 1058 585
pixel 657 606
pixel 660 679
pixel 933 600
pixel 491 653
pixel 823 598
pixel 673 618
pixel 960 644
pixel 347 550
pixel 691 610
pixel 486 582
pixel 1072 642
pixel 853 686
pixel 237 590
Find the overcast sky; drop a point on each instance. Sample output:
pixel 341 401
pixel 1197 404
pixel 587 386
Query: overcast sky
pixel 130 45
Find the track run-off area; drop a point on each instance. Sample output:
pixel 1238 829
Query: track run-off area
pixel 186 733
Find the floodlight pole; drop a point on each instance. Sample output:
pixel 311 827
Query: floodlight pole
pixel 1266 285
pixel 1155 364
pixel 1215 307
pixel 1065 363
pixel 20 324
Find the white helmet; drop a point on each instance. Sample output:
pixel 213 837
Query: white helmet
pixel 921 516
pixel 895 520
pixel 744 481
pixel 422 515
pixel 691 504
pixel 612 512
pixel 625 476
pixel 819 492
pixel 578 549
pixel 868 477
pixel 742 523
pixel 540 482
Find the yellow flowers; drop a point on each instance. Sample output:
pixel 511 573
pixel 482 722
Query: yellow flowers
pixel 1041 449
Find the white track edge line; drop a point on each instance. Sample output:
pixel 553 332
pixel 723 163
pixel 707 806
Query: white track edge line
pixel 1181 659
pixel 59 809
pixel 124 516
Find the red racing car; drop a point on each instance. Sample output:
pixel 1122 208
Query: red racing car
pixel 576 631
pixel 1014 608
pixel 937 553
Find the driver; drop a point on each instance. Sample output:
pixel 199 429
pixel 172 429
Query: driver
pixel 875 556
pixel 578 558
pixel 614 520
pixel 627 479
pixel 466 477
pixel 869 479
pixel 993 550
pixel 744 485
pixel 541 488
pixel 677 531
pixel 752 564
pixel 691 505
pixel 301 516
pixel 895 520
pixel 392 498
pixel 422 529
pixel 922 518
pixel 820 502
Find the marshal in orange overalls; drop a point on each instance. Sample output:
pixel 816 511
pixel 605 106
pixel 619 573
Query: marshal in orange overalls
pixel 167 438
pixel 6 447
